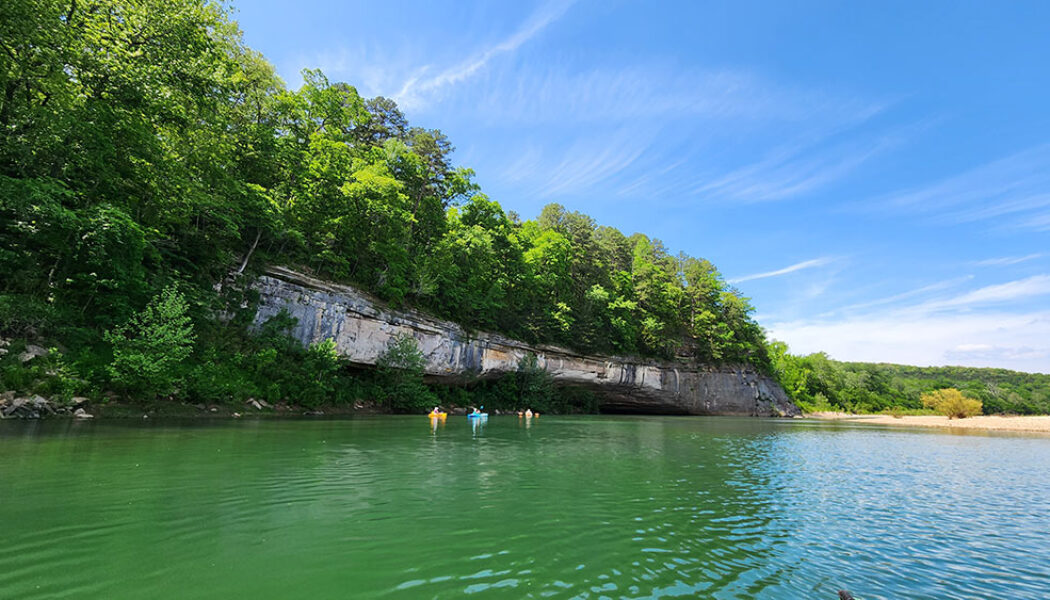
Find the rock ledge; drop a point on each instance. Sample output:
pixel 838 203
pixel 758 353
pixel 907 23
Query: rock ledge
pixel 362 326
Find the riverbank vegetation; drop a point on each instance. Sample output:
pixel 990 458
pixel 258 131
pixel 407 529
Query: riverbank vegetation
pixel 146 154
pixel 951 403
pixel 818 383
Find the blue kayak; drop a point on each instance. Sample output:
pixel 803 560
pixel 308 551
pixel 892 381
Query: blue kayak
pixel 478 415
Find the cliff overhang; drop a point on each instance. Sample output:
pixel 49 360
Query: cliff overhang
pixel 362 327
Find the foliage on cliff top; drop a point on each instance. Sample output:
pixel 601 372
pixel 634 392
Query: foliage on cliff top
pixel 142 145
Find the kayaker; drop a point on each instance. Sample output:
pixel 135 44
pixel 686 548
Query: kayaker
pixel 435 412
pixel 528 413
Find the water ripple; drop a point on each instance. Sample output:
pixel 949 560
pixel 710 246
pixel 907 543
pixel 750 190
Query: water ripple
pixel 568 508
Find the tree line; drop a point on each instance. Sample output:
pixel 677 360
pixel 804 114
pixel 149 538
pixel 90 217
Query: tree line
pixel 818 383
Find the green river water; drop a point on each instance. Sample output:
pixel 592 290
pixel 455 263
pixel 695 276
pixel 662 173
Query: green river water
pixel 562 507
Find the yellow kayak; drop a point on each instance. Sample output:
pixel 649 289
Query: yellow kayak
pixel 437 415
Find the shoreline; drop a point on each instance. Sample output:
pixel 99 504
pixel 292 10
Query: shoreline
pixel 1023 424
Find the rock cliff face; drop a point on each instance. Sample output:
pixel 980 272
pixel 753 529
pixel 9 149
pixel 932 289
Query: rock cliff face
pixel 362 327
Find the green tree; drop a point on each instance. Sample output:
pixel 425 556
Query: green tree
pixel 535 386
pixel 399 371
pixel 150 347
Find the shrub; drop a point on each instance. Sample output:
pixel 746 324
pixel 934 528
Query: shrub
pixel 320 380
pixel 149 347
pixel 951 403
pixel 820 403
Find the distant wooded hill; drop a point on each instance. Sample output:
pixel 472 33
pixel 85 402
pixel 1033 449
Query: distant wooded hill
pixel 818 383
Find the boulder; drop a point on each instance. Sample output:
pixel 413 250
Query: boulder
pixel 14 407
pixel 32 351
pixel 80 413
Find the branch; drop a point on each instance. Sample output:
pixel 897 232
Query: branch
pixel 258 234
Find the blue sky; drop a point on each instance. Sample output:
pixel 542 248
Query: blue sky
pixel 874 176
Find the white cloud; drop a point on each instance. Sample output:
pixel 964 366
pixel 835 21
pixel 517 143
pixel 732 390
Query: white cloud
pixel 1012 341
pixel 1037 222
pixel 815 160
pixel 806 264
pixel 1007 260
pixel 699 117
pixel 1014 189
pixel 933 287
pixel 978 354
pixel 962 329
pixel 580 171
pixel 1037 285
pixel 707 117
pixel 414 91
pixel 786 175
pixel 579 166
pixel 555 92
pixel 971 348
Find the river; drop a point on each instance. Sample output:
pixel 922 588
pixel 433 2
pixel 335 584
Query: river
pixel 559 507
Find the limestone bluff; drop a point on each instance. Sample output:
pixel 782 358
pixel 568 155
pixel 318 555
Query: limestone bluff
pixel 362 326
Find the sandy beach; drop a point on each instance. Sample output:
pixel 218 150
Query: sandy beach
pixel 1039 424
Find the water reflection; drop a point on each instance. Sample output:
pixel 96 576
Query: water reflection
pixel 477 425
pixel 436 422
pixel 580 507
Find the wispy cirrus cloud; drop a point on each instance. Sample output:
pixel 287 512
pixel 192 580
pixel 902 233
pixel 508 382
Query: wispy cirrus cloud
pixel 1021 289
pixel 908 295
pixel 648 91
pixel 582 165
pixel 806 264
pixel 709 117
pixel 657 111
pixel 1007 260
pixel 1014 190
pixel 815 160
pixel 788 174
pixel 418 87
pixel 407 72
